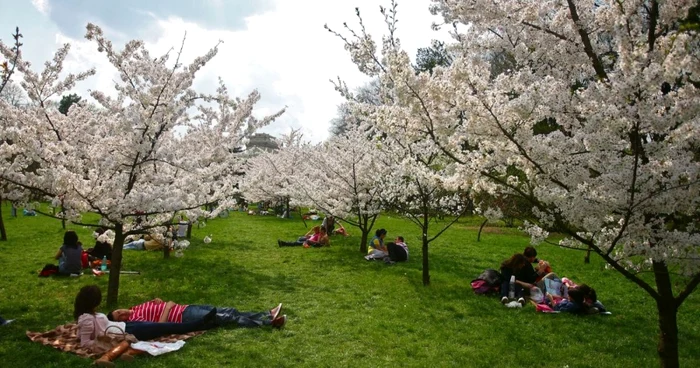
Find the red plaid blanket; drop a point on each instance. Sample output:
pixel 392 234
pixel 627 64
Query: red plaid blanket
pixel 65 338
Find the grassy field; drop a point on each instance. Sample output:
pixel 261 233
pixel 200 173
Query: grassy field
pixel 343 311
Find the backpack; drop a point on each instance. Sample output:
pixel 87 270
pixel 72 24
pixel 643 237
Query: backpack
pixel 488 282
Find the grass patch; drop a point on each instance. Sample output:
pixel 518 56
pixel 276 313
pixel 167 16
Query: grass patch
pixel 343 310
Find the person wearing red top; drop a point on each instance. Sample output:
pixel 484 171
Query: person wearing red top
pixel 157 310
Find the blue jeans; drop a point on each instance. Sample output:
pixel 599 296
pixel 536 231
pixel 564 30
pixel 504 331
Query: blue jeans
pixel 135 245
pixel 145 331
pixel 297 243
pixel 225 316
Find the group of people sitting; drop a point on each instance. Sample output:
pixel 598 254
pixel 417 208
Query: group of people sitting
pixel 544 287
pixel 72 258
pixel 318 236
pixel 156 318
pixel 390 252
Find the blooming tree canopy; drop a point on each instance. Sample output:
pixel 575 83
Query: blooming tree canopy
pixel 596 124
pixel 342 178
pixel 156 149
pixel 419 184
pixel 271 175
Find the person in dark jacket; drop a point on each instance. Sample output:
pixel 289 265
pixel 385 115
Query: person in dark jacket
pixel 102 247
pixel 515 266
pixel 527 273
pixel 69 256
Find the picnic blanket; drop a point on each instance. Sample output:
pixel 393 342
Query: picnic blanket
pixel 65 338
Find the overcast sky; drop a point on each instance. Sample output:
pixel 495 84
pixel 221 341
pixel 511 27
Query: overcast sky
pixel 276 46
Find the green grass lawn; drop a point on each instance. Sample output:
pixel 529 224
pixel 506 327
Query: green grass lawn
pixel 343 311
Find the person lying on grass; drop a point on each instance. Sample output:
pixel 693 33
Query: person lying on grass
pixel 157 310
pixel 92 324
pixel 313 235
pixel 317 240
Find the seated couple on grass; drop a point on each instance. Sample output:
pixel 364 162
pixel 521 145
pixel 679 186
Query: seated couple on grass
pixel 391 252
pixel 316 237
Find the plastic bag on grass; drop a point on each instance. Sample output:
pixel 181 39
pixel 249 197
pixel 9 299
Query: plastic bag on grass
pixel 158 348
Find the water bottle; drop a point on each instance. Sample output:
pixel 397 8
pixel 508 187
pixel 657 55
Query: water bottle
pixel 511 291
pixel 103 266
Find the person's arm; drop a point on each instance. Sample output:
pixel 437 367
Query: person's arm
pixel 525 284
pixel 164 316
pixel 59 254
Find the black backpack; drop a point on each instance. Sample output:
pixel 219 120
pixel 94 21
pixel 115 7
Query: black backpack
pixel 488 282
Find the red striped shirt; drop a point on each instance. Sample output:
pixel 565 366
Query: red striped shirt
pixel 151 312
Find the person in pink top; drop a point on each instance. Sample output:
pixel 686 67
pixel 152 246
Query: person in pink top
pixel 92 324
pixel 157 310
pixel 313 235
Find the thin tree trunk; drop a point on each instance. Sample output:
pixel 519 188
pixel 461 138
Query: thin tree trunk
pixel 189 229
pixel 424 238
pixel 3 233
pixel 587 258
pixel 301 216
pixel 668 313
pixel 426 265
pixel 478 237
pixel 363 241
pixel 115 266
pixel 286 213
pixel 63 217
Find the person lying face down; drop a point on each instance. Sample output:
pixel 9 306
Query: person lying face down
pixel 157 310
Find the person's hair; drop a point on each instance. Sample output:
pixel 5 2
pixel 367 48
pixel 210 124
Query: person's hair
pixel 100 230
pixel 576 295
pixel 70 238
pixel 110 315
pixel 530 252
pixel 588 292
pixel 323 230
pixel 400 238
pixel 87 300
pixel 380 232
pixel 316 228
pixel 516 262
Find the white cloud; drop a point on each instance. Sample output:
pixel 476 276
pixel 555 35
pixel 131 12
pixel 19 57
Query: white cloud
pixel 285 53
pixel 42 6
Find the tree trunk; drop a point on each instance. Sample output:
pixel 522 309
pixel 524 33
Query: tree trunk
pixel 63 217
pixel 286 213
pixel 3 233
pixel 426 268
pixel 363 241
pixel 587 258
pixel 668 312
pixel 189 229
pixel 478 237
pixel 116 266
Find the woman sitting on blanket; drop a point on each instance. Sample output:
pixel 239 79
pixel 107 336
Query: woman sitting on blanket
pixel 92 324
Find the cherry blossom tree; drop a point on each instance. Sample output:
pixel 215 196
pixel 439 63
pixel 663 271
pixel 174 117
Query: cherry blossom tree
pixel 270 175
pixel 157 149
pixel 420 185
pixel 596 126
pixel 342 178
